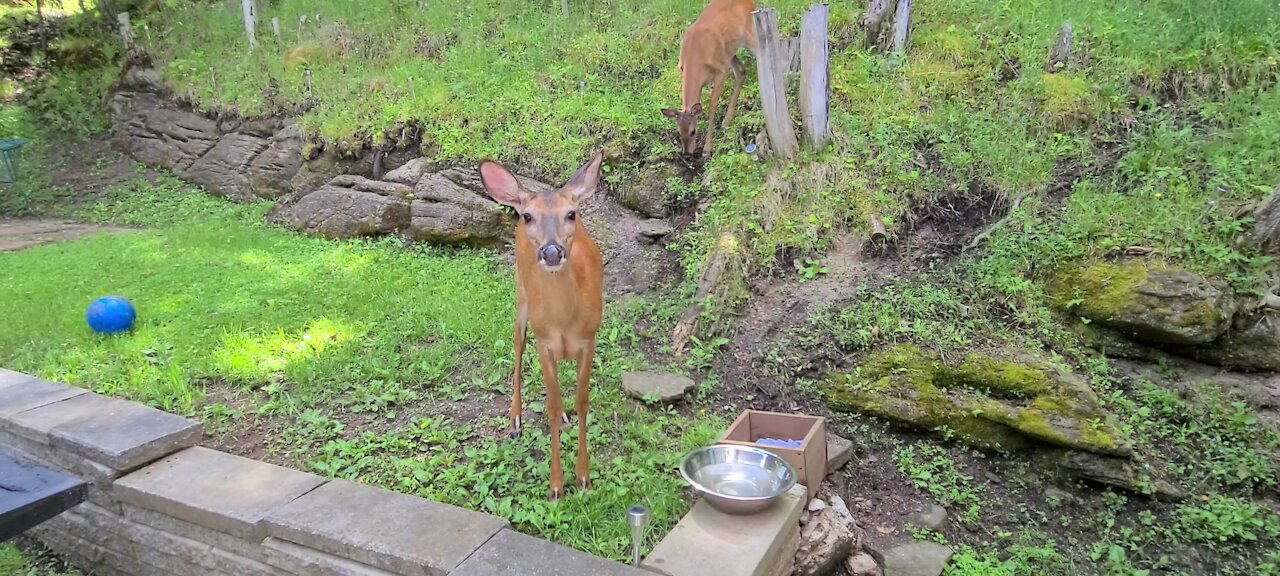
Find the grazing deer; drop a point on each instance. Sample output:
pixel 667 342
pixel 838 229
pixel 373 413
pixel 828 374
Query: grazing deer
pixel 707 54
pixel 559 279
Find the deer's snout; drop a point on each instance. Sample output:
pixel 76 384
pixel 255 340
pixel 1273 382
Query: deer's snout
pixel 551 254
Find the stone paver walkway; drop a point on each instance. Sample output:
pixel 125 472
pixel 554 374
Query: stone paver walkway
pixel 19 233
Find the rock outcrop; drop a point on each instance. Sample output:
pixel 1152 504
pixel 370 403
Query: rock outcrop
pixel 1145 301
pixel 986 401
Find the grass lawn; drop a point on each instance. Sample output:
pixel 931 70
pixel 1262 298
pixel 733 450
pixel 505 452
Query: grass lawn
pixel 386 364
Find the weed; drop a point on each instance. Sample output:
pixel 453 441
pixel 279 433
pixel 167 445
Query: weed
pixel 929 468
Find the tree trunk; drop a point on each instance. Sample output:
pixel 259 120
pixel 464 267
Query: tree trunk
pixel 901 26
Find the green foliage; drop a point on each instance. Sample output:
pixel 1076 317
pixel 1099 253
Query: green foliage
pixel 930 468
pixel 1223 521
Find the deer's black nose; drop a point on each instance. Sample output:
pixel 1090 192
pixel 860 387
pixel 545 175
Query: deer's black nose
pixel 551 254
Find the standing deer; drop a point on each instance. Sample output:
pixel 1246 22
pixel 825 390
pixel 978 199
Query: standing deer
pixel 559 279
pixel 707 54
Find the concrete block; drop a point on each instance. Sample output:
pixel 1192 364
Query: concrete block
pixel 125 435
pixel 396 532
pixel 122 435
pixel 214 489
pixel 511 553
pixel 839 452
pixel 219 540
pixel 296 559
pixel 20 392
pixel 734 545
pixel 99 476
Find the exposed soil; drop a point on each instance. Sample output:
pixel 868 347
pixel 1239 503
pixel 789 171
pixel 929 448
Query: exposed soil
pixel 19 233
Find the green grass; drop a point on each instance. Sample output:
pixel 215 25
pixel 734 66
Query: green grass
pixel 328 331
pixel 19 562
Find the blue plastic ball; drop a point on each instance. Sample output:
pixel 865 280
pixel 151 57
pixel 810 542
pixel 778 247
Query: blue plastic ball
pixel 110 314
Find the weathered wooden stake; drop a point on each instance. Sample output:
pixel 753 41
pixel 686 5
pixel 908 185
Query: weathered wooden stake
pixel 275 27
pixel 878 232
pixel 873 22
pixel 813 75
pixel 302 25
pixel 901 25
pixel 773 87
pixel 790 54
pixel 306 81
pixel 1060 54
pixel 412 91
pixel 250 9
pixel 564 7
pixel 126 30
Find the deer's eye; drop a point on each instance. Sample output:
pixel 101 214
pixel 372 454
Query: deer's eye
pixel 573 215
pixel 527 217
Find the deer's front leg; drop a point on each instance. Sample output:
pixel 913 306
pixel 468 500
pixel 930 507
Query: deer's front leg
pixel 582 399
pixel 522 334
pixel 555 411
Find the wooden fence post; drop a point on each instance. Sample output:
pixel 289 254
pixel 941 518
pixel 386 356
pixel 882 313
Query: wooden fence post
pixel 773 87
pixel 877 11
pixel 564 7
pixel 813 75
pixel 126 31
pixel 250 21
pixel 275 27
pixel 1060 54
pixel 901 25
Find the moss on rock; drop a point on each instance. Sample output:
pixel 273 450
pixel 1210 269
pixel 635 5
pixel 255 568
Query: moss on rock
pixel 1147 302
pixel 985 401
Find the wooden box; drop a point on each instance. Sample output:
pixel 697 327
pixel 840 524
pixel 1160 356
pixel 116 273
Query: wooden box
pixel 809 459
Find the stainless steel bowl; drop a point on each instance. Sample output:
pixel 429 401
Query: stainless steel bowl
pixel 737 479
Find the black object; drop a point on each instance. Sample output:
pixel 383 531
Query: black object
pixel 31 494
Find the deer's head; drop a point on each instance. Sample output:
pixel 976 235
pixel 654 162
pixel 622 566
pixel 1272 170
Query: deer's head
pixel 686 126
pixel 549 218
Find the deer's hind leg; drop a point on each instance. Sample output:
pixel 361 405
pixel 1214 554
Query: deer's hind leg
pixel 739 75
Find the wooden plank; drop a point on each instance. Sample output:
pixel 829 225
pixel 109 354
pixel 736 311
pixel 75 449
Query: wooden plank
pixel 813 75
pixel 773 87
pixel 31 494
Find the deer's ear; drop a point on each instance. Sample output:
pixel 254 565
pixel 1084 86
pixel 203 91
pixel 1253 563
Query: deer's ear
pixel 670 113
pixel 584 182
pixel 696 110
pixel 501 184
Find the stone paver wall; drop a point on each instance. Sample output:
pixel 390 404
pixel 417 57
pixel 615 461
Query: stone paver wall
pixel 160 505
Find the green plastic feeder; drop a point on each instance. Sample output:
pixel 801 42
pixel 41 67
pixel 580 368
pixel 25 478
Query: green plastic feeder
pixel 9 151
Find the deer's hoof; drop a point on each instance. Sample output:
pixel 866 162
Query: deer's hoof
pixel 564 418
pixel 556 493
pixel 514 430
pixel 584 482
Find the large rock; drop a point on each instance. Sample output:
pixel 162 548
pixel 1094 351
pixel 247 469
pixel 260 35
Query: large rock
pixel 271 173
pixel 224 169
pixel 444 212
pixel 916 559
pixel 1252 344
pixel 1147 302
pixel 1115 472
pixel 825 541
pixel 987 401
pixel 862 564
pixel 346 207
pixel 153 132
pixel 648 194
pixel 658 386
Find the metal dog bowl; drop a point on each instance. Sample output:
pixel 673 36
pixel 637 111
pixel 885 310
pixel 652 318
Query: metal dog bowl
pixel 737 479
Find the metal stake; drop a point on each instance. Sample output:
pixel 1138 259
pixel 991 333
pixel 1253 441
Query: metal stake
pixel 637 518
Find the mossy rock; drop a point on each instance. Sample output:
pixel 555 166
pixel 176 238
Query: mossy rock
pixel 1252 344
pixel 986 401
pixel 1146 302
